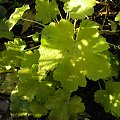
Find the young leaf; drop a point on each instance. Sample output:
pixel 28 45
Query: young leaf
pixel 16 16
pixel 46 11
pixel 79 9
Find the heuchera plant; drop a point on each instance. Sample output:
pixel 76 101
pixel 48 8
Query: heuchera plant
pixel 68 53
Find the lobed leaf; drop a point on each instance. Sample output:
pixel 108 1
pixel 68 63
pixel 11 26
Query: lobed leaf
pixel 110 98
pixel 66 108
pixel 71 59
pixel 46 11
pixel 79 9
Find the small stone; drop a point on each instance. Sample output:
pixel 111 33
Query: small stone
pixel 4 105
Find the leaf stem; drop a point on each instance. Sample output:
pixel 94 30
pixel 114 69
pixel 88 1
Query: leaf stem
pixel 33 21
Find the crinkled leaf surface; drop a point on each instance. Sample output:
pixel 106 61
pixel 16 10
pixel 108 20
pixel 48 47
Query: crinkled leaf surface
pixel 70 59
pixel 46 11
pixel 62 106
pixel 16 16
pixel 79 8
pixel 110 98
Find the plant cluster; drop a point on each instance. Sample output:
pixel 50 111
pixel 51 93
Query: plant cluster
pixel 42 78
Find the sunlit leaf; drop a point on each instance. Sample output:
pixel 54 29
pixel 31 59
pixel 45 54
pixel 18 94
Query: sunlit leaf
pixel 110 98
pixel 71 59
pixel 16 16
pixel 79 8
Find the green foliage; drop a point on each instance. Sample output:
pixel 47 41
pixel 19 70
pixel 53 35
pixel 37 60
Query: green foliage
pixel 16 16
pixel 18 106
pixel 67 107
pixel 46 11
pixel 42 79
pixel 13 48
pixel 79 8
pixel 61 52
pixel 110 98
pixel 9 84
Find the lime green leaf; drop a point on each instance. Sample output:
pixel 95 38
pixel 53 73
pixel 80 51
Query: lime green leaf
pixel 71 59
pixel 35 37
pixel 28 89
pixel 69 75
pixel 37 106
pixel 25 74
pixel 66 108
pixel 30 58
pixel 79 8
pixel 16 16
pixel 117 18
pixel 4 31
pixel 94 62
pixel 75 106
pixel 46 11
pixel 45 90
pixel 110 98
